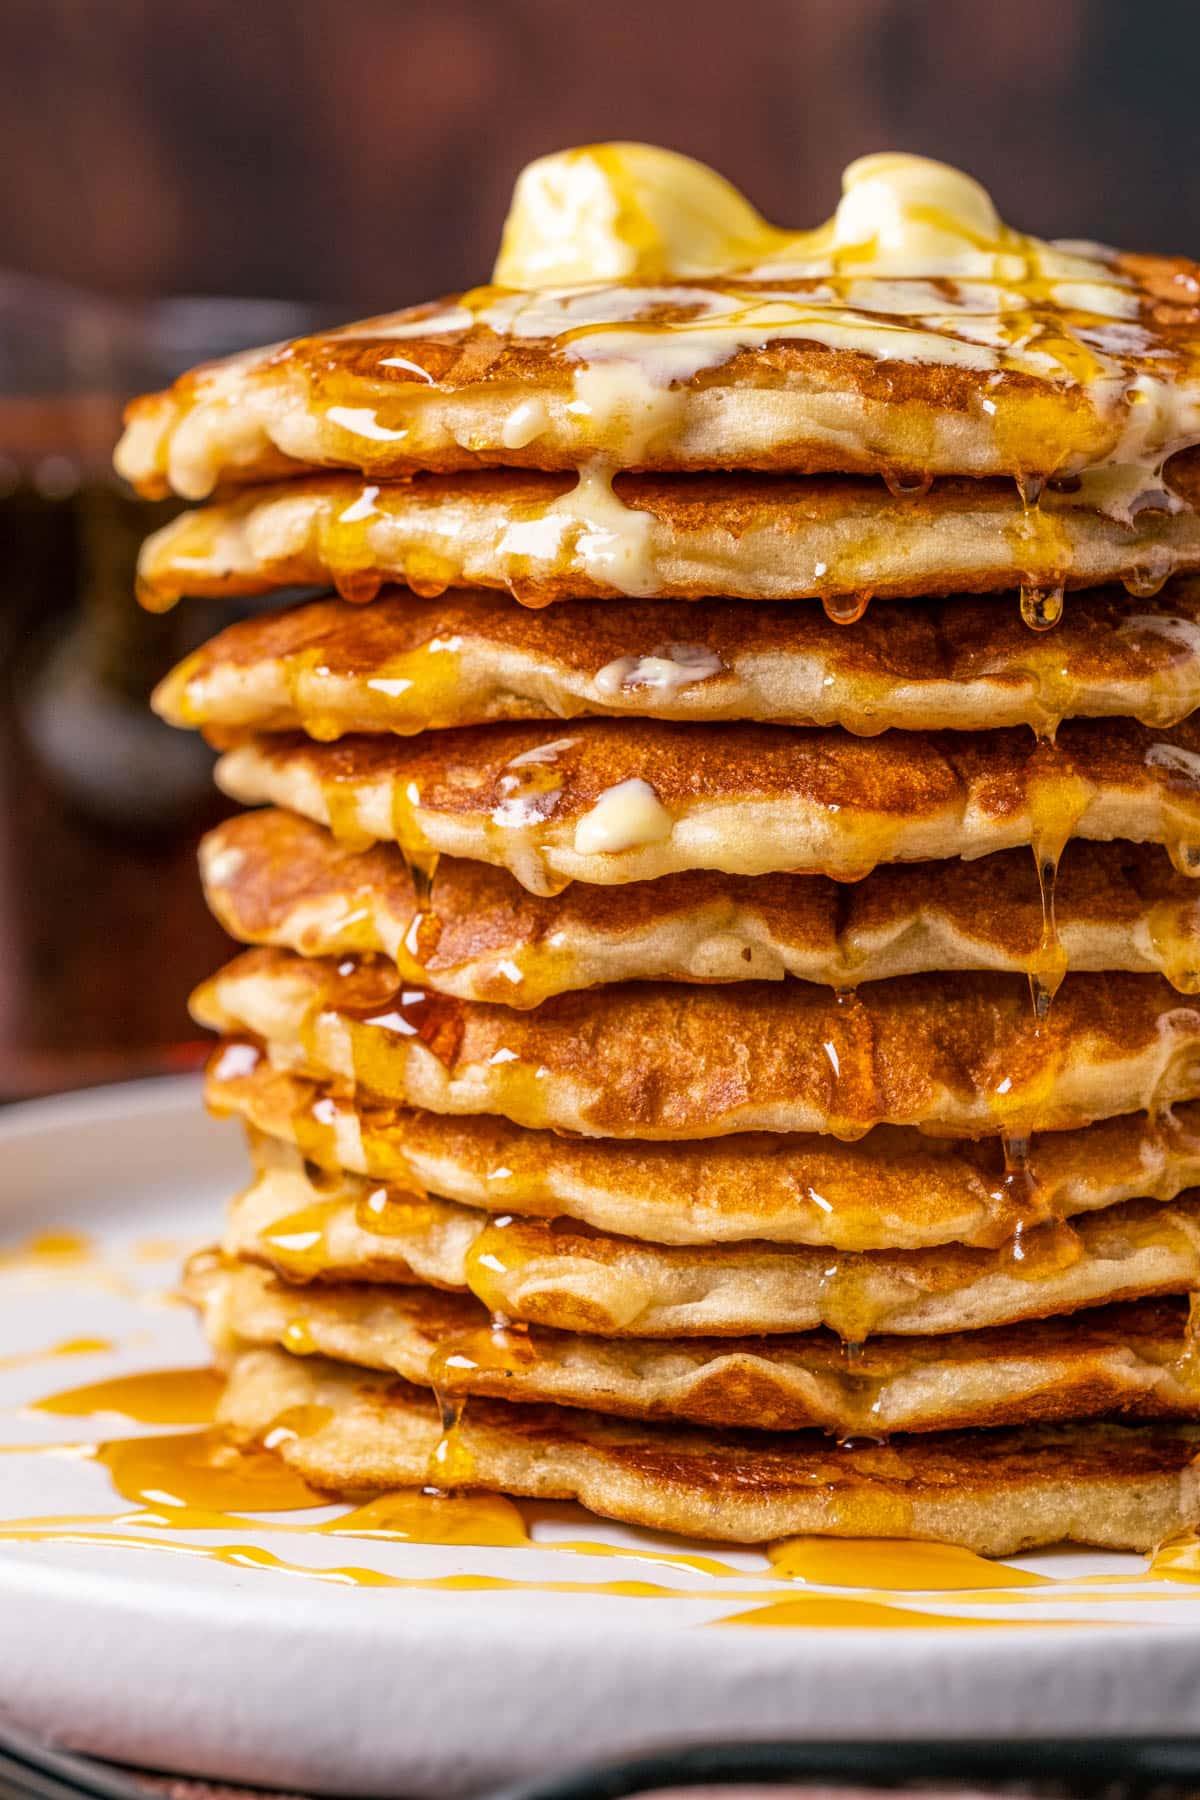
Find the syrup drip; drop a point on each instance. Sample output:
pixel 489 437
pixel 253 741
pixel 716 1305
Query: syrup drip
pixel 367 996
pixel 1042 607
pixel 391 1212
pixel 907 487
pixel 845 609
pixel 298 1243
pixel 1152 572
pixel 1050 965
pixel 451 1462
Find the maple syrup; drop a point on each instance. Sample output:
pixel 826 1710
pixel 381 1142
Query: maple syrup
pixel 150 1397
pixel 845 609
pixel 1042 607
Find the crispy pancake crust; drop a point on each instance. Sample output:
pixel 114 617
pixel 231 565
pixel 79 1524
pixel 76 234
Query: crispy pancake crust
pixel 751 536
pixel 273 878
pixel 439 386
pixel 894 1188
pixel 406 665
pixel 569 1278
pixel 1130 1359
pixel 618 800
pixel 1125 1487
pixel 960 1056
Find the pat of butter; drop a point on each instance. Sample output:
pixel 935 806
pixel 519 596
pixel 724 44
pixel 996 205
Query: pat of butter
pixel 631 212
pixel 625 817
pixel 621 212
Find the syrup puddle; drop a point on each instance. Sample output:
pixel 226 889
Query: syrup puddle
pixel 194 1481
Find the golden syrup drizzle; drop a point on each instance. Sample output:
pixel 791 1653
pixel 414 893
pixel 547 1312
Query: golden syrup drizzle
pixel 193 1481
pixel 1056 805
pixel 1156 564
pixel 299 1242
pixel 845 1304
pixel 50 1250
pixel 811 1611
pixel 896 1564
pixel 297 1336
pixel 907 485
pixel 529 790
pixel 79 1346
pixel 1041 1244
pixel 150 1397
pixel 1177 772
pixel 846 609
pixel 1042 605
pixel 194 1472
pixel 393 1212
pixel 451 1461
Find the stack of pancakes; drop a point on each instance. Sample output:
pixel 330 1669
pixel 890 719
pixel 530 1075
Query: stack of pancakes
pixel 714 1047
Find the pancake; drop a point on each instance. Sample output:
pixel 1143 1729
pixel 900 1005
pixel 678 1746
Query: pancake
pixel 406 665
pixel 962 1056
pixel 895 1188
pixel 567 1277
pixel 619 800
pixel 1132 1359
pixel 914 334
pixel 771 537
pixel 273 878
pixel 1118 1486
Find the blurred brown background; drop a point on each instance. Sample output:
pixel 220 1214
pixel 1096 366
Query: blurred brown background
pixel 352 155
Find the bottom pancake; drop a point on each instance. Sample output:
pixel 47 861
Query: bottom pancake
pixel 346 1430
pixel 1135 1359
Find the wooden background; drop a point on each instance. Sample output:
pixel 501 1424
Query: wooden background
pixel 360 153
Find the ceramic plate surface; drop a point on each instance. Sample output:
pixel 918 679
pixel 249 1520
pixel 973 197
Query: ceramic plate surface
pixel 263 1649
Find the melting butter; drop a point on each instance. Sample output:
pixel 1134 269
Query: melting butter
pixel 625 817
pixel 633 212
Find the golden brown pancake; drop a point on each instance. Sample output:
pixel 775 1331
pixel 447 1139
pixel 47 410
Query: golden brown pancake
pixel 406 665
pixel 1123 1487
pixel 958 1056
pixel 910 377
pixel 756 537
pixel 896 1187
pixel 1132 1359
pixel 273 878
pixel 554 1273
pixel 619 800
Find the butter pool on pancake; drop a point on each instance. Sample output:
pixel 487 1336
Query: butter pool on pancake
pixel 957 1057
pixel 406 665
pixel 1119 1486
pixel 895 1188
pixel 568 1277
pixel 616 800
pixel 1130 1359
pixel 756 537
pixel 914 334
pixel 275 879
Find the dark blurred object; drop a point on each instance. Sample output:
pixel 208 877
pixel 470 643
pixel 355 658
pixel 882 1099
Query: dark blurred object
pixel 1049 1769
pixel 102 929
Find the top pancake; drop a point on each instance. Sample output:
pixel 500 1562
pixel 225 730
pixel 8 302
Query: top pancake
pixel 646 317
pixel 545 537
pixel 903 375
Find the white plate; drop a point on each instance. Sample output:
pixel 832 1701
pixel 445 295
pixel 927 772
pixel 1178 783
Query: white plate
pixel 287 1677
